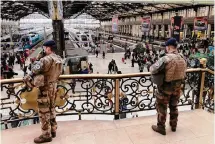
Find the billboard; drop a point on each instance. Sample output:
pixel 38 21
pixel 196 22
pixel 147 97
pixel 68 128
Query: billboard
pixel 200 23
pixel 176 26
pixel 146 24
pixel 115 24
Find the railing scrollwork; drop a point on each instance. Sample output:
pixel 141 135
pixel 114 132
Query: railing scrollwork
pixel 103 94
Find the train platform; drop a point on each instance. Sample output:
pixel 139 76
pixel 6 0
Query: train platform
pixel 194 127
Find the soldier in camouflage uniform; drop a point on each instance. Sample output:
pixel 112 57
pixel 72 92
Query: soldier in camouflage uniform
pixel 173 67
pixel 50 67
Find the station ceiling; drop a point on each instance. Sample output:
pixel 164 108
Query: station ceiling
pixel 15 10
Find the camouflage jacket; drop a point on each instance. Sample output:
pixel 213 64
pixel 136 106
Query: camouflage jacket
pixel 46 70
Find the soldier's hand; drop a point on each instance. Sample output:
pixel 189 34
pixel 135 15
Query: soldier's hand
pixel 27 78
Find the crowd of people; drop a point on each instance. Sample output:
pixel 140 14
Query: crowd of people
pixel 148 55
pixel 8 60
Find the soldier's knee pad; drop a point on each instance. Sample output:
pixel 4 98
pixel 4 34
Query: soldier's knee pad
pixel 43 102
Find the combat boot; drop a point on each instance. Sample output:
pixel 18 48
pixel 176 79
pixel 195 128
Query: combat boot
pixel 53 134
pixel 159 130
pixel 42 139
pixel 172 127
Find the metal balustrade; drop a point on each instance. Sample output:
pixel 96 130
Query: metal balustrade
pixel 106 94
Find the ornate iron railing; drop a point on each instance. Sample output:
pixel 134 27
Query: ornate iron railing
pixel 208 91
pixel 102 94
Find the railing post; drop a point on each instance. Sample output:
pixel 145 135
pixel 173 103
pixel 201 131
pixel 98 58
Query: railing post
pixel 117 89
pixel 201 90
pixel 201 85
pixel 5 124
pixel 79 115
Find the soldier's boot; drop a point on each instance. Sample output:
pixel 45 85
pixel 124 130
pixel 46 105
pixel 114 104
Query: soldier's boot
pixel 159 129
pixel 53 134
pixel 173 128
pixel 42 139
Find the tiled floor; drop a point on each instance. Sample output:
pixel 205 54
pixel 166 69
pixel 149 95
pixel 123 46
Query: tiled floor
pixel 194 127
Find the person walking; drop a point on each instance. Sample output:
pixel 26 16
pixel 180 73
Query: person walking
pixel 110 67
pixel 91 67
pixel 103 55
pixel 170 71
pixel 97 52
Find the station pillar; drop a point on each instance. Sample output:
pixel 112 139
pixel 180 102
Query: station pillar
pixel 157 31
pixel 209 31
pixel 169 30
pixel 163 31
pixel 56 14
pixel 45 36
pixel 11 36
pixel 185 31
pixel 58 36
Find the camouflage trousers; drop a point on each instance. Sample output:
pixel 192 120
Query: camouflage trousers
pixel 163 99
pixel 46 109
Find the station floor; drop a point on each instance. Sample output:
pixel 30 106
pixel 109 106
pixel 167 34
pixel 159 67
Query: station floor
pixel 99 64
pixel 194 127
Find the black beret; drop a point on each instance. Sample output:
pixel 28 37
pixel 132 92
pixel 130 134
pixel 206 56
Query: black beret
pixel 49 43
pixel 172 42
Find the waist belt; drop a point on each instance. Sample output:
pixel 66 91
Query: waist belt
pixel 51 82
pixel 175 82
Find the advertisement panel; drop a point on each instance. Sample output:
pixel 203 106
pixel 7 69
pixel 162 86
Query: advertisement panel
pixel 60 10
pixel 146 24
pixel 55 10
pixel 200 23
pixel 115 24
pixel 176 26
pixel 51 9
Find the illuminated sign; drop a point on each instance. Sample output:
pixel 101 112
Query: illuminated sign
pixel 146 24
pixel 115 24
pixel 200 23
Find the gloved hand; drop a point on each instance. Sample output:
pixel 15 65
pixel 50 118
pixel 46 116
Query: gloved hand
pixel 28 81
pixel 27 78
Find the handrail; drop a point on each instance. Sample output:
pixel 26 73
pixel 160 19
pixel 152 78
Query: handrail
pixel 210 71
pixel 126 94
pixel 113 76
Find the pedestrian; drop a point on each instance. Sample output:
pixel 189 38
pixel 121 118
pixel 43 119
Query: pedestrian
pixel 91 67
pixel 49 67
pixel 5 56
pixel 22 62
pixel 123 59
pixel 168 73
pixel 206 44
pixel 25 70
pixel 10 73
pixel 132 62
pixel 110 67
pixel 103 55
pixel 97 53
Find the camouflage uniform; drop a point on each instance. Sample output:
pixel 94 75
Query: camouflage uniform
pixel 50 67
pixel 174 67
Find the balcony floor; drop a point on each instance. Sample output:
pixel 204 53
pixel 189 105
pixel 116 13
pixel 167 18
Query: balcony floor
pixel 194 127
